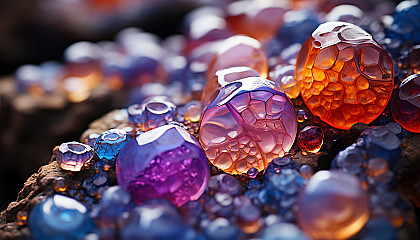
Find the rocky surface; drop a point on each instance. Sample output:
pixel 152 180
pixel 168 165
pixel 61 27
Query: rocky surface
pixel 40 184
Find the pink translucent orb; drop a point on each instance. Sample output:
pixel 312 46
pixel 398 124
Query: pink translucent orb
pixel 250 123
pixel 72 156
pixel 165 162
pixel 332 206
pixel 405 104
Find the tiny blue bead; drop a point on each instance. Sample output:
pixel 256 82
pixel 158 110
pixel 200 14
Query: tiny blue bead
pixel 109 143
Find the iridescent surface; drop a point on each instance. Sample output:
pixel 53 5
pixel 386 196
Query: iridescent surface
pixel 59 217
pixel 405 103
pixel 109 143
pixel 73 155
pixel 345 76
pixel 222 78
pixel 310 139
pixel 166 162
pixel 250 123
pixel 239 51
pixel 332 206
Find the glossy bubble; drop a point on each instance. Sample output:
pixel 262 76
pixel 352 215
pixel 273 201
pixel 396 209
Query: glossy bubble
pixel 345 76
pixel 250 123
pixel 73 155
pixel 405 104
pixel 59 217
pixel 332 206
pixel 166 162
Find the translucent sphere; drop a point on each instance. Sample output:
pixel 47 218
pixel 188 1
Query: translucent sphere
pixel 250 123
pixel 73 155
pixel 59 217
pixel 310 139
pixel 405 104
pixel 165 162
pixel 345 76
pixel 332 206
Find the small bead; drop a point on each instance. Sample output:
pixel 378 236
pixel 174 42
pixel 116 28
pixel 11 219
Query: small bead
pixel 157 112
pixel 110 142
pixel 22 217
pixel 252 172
pixel 302 115
pixel 310 139
pixel 193 111
pixel 73 155
pixel 306 171
pixel 60 184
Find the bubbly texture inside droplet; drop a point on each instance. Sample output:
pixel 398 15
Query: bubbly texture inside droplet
pixel 249 130
pixel 344 75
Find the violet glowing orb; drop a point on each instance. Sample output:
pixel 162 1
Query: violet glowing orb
pixel 165 162
pixel 250 123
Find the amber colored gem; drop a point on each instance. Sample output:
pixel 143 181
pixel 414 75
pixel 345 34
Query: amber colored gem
pixel 405 104
pixel 22 217
pixel 332 206
pixel 310 139
pixel 221 78
pixel 344 75
pixel 239 51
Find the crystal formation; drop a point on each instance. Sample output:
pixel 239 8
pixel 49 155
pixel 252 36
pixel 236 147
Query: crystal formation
pixel 405 103
pixel 332 206
pixel 345 76
pixel 250 123
pixel 59 217
pixel 166 162
pixel 109 143
pixel 73 155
